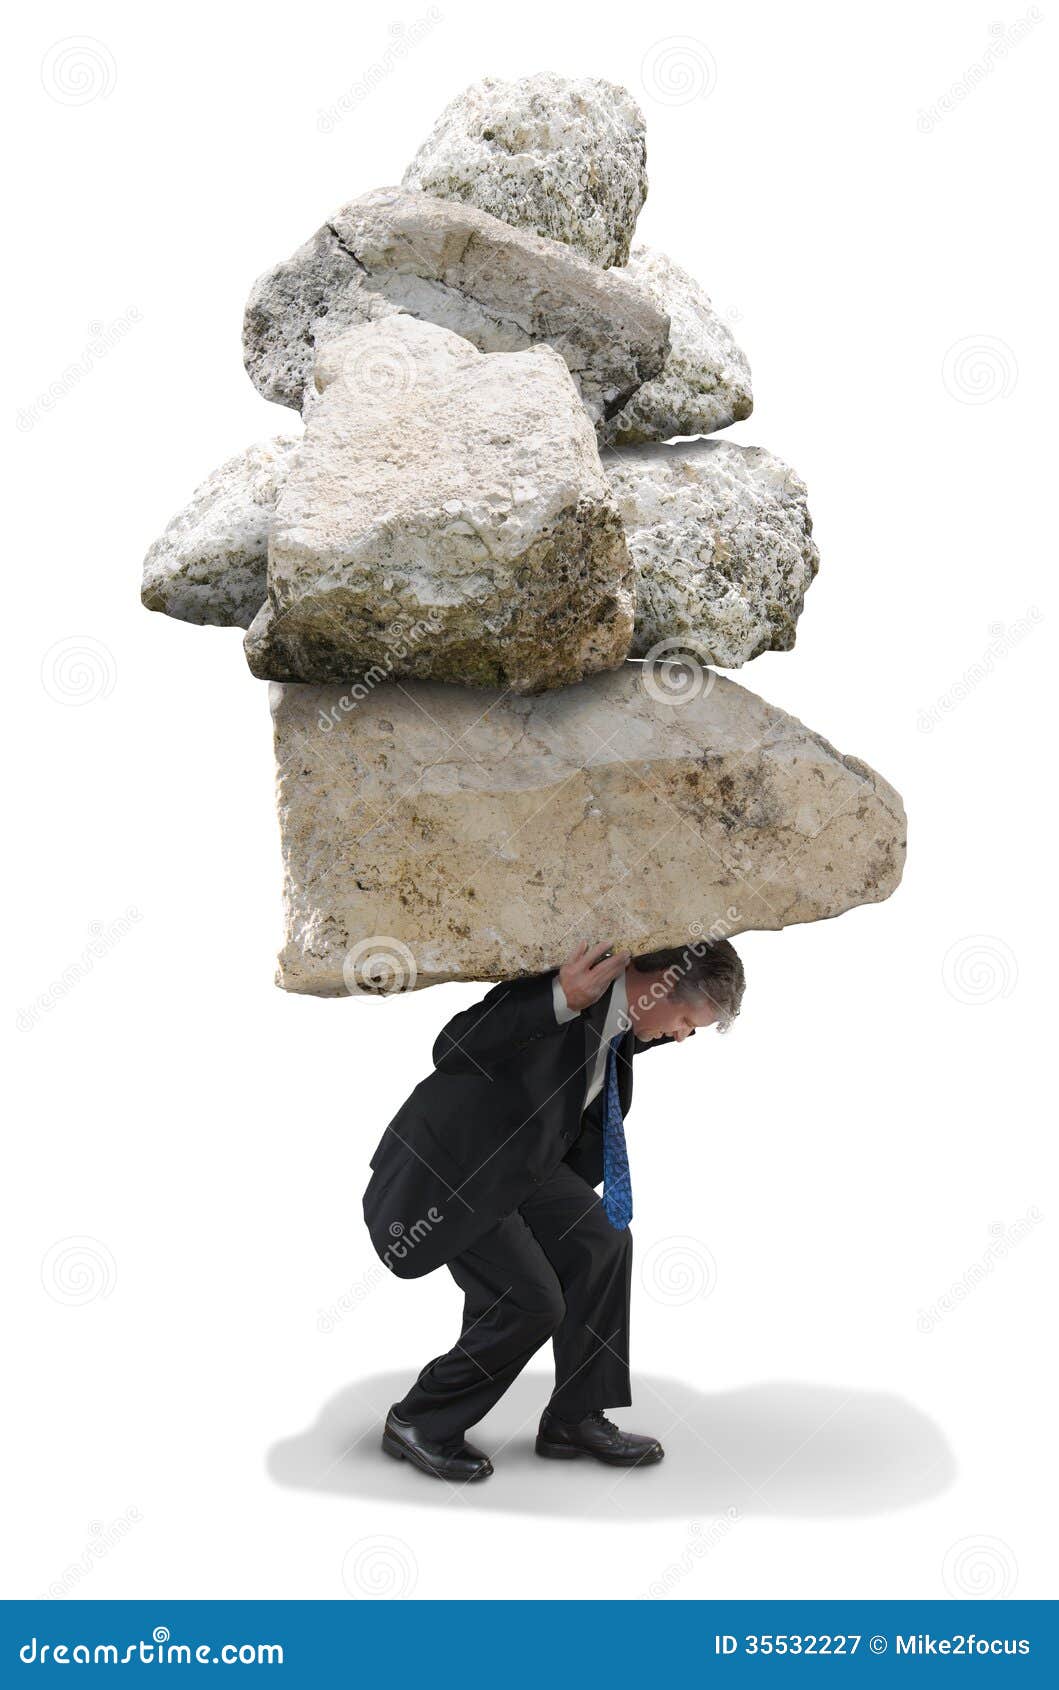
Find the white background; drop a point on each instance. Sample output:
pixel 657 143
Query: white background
pixel 877 1129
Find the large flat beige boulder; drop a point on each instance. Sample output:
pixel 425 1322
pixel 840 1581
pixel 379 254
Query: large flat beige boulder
pixel 501 288
pixel 563 157
pixel 430 833
pixel 461 503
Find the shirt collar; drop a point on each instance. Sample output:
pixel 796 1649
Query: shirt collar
pixel 618 1007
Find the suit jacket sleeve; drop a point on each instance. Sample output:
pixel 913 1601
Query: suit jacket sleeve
pixel 491 1032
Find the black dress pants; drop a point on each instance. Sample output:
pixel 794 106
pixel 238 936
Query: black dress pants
pixel 554 1268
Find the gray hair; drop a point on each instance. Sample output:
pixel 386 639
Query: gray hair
pixel 710 968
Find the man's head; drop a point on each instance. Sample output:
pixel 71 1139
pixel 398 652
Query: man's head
pixel 673 992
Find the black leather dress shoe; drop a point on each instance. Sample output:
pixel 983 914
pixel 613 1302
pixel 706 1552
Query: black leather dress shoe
pixel 454 1459
pixel 560 1440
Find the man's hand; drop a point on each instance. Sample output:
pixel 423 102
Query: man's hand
pixel 586 974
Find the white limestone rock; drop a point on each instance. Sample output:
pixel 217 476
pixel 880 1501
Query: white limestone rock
pixel 448 518
pixel 500 288
pixel 209 566
pixel 722 541
pixel 705 382
pixel 563 157
pixel 430 833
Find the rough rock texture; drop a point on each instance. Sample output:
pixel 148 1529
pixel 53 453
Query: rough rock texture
pixel 500 288
pixel 315 656
pixel 565 159
pixel 705 383
pixel 209 565
pixel 722 541
pixel 460 502
pixel 429 835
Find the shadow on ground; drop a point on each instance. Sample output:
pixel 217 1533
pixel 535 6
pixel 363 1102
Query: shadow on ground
pixel 780 1448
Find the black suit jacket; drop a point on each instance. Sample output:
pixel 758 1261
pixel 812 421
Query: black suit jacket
pixel 501 1110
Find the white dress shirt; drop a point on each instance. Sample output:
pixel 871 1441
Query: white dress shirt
pixel 616 1021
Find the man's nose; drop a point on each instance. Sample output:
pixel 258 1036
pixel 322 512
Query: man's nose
pixel 680 1035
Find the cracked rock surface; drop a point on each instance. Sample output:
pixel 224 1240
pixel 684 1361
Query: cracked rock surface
pixel 564 158
pixel 209 565
pixel 430 833
pixel 722 541
pixel 502 289
pixel 705 382
pixel 448 518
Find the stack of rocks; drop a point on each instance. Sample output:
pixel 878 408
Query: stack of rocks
pixel 492 588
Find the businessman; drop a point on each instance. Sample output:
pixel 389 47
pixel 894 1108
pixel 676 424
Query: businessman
pixel 489 1169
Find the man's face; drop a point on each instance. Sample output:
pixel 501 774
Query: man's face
pixel 656 1013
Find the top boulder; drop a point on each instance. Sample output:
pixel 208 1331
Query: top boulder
pixel 563 158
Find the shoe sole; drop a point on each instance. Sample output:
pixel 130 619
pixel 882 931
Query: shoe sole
pixel 401 1452
pixel 566 1452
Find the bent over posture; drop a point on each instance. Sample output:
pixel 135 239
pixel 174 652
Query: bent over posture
pixel 489 1169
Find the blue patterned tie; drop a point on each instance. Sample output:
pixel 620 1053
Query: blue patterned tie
pixel 617 1185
